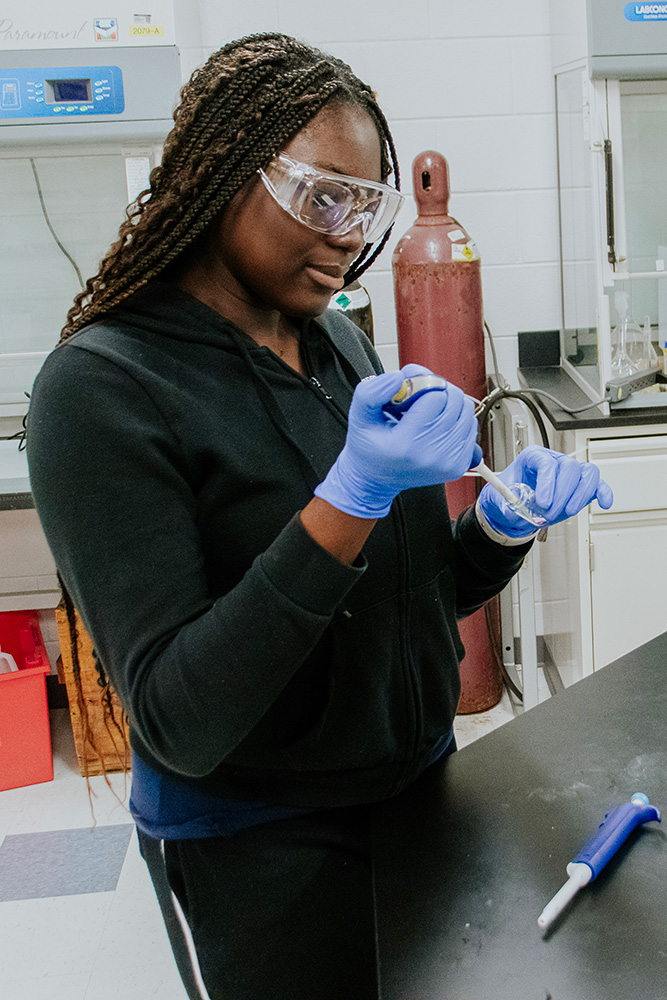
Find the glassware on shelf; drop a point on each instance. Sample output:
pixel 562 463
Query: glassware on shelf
pixel 625 337
pixel 647 357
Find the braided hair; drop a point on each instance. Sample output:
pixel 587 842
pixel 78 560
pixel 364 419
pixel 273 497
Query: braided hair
pixel 236 112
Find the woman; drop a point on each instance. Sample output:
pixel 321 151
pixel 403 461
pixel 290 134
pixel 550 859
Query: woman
pixel 271 582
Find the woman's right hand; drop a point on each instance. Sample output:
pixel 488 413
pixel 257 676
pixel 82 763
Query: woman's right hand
pixel 434 442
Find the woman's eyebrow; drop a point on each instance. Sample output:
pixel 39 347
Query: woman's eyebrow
pixel 329 168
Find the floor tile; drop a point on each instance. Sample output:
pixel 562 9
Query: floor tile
pixel 65 804
pixel 468 728
pixel 10 803
pixel 51 937
pixel 134 928
pixel 62 862
pixel 139 983
pixel 49 988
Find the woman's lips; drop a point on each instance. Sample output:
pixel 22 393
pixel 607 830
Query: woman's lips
pixel 329 276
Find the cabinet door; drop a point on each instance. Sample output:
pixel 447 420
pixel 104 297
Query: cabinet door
pixel 27 571
pixel 636 470
pixel 628 595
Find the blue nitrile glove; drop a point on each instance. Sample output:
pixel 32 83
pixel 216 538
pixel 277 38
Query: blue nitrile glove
pixel 563 486
pixel 434 442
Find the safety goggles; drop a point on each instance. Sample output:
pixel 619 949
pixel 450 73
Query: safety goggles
pixel 331 203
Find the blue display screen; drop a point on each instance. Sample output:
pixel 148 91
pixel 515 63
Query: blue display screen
pixel 70 90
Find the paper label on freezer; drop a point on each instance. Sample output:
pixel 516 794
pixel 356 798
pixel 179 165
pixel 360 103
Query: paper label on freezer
pixel 137 175
pixel 146 31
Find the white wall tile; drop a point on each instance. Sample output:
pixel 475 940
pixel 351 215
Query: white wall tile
pixel 508 153
pixel 438 78
pixel 568 31
pixel 532 76
pixel 187 24
pixel 491 220
pixel 411 137
pixel 537 214
pixel 349 20
pixel 221 22
pixel 508 358
pixel 521 297
pixel 454 19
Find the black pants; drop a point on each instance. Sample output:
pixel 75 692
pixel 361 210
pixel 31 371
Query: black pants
pixel 281 911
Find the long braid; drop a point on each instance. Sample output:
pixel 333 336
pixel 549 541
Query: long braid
pixel 236 112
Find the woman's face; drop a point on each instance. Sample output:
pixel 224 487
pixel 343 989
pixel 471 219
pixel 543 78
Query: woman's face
pixel 270 260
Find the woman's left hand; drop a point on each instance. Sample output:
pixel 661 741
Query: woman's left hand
pixel 563 486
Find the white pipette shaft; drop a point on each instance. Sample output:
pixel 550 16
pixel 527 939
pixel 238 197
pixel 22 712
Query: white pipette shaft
pixel 486 473
pixel 580 875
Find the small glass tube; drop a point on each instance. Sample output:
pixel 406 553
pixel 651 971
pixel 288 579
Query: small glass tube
pixel 525 505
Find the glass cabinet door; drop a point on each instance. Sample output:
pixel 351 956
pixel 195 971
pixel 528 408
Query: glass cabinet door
pixel 643 116
pixel 578 271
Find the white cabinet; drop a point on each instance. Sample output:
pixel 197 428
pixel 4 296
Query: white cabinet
pixel 601 577
pixel 27 570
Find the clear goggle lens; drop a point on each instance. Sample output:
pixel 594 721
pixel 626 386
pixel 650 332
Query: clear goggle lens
pixel 331 203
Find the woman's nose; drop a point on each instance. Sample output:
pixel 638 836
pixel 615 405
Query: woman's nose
pixel 352 242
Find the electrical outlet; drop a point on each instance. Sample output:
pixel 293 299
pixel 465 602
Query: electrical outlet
pixel 620 388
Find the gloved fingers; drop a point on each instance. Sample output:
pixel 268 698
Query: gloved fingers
pixel 458 407
pixel 436 405
pixel 500 515
pixel 604 495
pixel 412 369
pixel 460 446
pixel 372 393
pixel 585 489
pixel 472 452
pixel 536 467
pixel 567 478
pixel 477 455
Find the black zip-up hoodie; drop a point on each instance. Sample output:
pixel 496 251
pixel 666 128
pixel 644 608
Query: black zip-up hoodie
pixel 169 457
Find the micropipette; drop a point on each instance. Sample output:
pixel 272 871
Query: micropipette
pixel 613 831
pixel 519 497
pixel 411 389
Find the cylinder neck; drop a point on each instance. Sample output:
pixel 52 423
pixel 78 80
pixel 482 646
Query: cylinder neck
pixel 430 179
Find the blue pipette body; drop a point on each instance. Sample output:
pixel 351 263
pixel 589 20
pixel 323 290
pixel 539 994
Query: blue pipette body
pixel 614 830
pixel 589 862
pixel 412 388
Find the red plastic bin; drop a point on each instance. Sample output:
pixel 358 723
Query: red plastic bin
pixel 25 736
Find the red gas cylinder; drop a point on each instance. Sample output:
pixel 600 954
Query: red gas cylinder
pixel 439 316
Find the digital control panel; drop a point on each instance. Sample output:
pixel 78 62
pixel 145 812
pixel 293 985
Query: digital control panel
pixel 61 92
